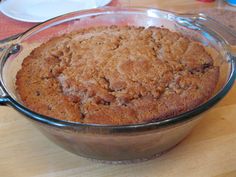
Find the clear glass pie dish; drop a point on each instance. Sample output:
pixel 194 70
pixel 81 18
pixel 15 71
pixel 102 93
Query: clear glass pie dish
pixel 124 142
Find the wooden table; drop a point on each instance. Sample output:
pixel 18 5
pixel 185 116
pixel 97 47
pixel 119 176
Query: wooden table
pixel 210 150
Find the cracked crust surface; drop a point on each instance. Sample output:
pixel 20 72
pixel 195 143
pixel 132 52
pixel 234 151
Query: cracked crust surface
pixel 117 75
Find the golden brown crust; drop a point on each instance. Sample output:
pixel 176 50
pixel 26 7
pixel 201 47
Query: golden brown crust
pixel 117 75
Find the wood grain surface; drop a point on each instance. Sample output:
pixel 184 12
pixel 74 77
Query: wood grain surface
pixel 209 151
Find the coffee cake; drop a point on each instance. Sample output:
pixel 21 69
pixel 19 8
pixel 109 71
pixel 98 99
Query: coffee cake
pixel 117 75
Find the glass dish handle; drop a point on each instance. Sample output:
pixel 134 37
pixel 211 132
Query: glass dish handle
pixel 225 32
pixel 6 48
pixel 3 94
pixel 202 21
pixel 5 42
pixel 228 35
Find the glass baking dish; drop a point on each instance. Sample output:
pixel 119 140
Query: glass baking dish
pixel 126 143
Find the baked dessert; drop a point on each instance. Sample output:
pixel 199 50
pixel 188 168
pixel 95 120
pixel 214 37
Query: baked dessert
pixel 117 75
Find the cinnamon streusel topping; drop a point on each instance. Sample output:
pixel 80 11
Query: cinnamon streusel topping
pixel 117 75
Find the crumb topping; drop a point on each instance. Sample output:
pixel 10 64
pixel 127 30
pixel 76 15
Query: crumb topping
pixel 117 75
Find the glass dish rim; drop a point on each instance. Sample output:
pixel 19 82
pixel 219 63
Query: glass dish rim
pixel 141 126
